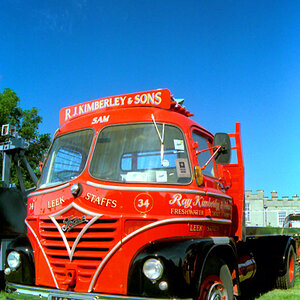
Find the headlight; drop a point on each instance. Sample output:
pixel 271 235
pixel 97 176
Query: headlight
pixel 153 269
pixel 14 259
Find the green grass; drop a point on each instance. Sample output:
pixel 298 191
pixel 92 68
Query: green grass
pixel 290 294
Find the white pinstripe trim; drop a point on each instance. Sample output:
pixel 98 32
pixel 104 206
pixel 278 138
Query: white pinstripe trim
pixel 83 230
pixel 156 189
pixel 50 190
pixel 147 227
pixel 43 253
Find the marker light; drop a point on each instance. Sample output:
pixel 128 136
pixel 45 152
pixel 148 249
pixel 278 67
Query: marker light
pixel 7 271
pixel 14 259
pixel 153 269
pixel 163 285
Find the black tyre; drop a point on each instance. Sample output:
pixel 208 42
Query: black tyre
pixel 216 281
pixel 287 280
pixel 2 281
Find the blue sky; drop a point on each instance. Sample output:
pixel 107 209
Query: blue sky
pixel 232 61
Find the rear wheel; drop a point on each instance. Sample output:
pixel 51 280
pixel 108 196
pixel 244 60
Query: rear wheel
pixel 217 281
pixel 287 280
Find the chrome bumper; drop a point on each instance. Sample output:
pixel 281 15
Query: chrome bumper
pixel 18 291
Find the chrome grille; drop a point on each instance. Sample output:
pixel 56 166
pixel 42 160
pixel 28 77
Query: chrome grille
pixel 94 244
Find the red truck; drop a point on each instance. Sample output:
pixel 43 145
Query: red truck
pixel 138 201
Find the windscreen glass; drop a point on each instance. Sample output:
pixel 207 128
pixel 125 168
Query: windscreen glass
pixel 67 157
pixel 141 153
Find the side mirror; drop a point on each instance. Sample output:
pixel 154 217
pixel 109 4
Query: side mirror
pixel 224 154
pixel 198 175
pixel 43 160
pixel 41 166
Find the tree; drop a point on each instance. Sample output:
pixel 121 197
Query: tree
pixel 26 123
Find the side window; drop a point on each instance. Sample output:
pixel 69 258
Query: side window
pixel 204 156
pixel 67 163
pixel 67 157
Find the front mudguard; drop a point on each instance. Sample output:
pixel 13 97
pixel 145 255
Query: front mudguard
pixel 182 259
pixel 25 273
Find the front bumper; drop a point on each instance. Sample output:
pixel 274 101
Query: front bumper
pixel 18 291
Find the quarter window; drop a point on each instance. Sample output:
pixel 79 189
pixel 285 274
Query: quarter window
pixel 203 157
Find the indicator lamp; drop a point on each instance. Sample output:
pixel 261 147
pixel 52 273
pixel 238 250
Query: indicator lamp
pixel 163 285
pixel 7 271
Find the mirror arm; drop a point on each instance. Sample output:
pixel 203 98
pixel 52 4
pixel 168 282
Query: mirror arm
pixel 201 151
pixel 214 154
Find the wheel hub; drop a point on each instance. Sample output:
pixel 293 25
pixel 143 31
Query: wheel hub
pixel 217 292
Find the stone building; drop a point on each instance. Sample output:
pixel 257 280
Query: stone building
pixel 263 211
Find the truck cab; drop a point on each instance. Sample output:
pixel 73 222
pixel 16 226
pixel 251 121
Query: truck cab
pixel 135 200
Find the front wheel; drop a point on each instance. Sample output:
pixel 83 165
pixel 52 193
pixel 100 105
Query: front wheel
pixel 217 281
pixel 287 280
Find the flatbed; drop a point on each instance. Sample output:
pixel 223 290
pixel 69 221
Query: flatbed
pixel 252 232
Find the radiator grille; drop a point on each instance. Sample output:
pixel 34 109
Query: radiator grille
pixel 93 245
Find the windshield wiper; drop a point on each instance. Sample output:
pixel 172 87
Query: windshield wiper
pixel 161 138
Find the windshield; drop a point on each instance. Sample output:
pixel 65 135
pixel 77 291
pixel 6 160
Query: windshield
pixel 67 157
pixel 134 153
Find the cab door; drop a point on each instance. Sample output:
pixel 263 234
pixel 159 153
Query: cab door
pixel 210 173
